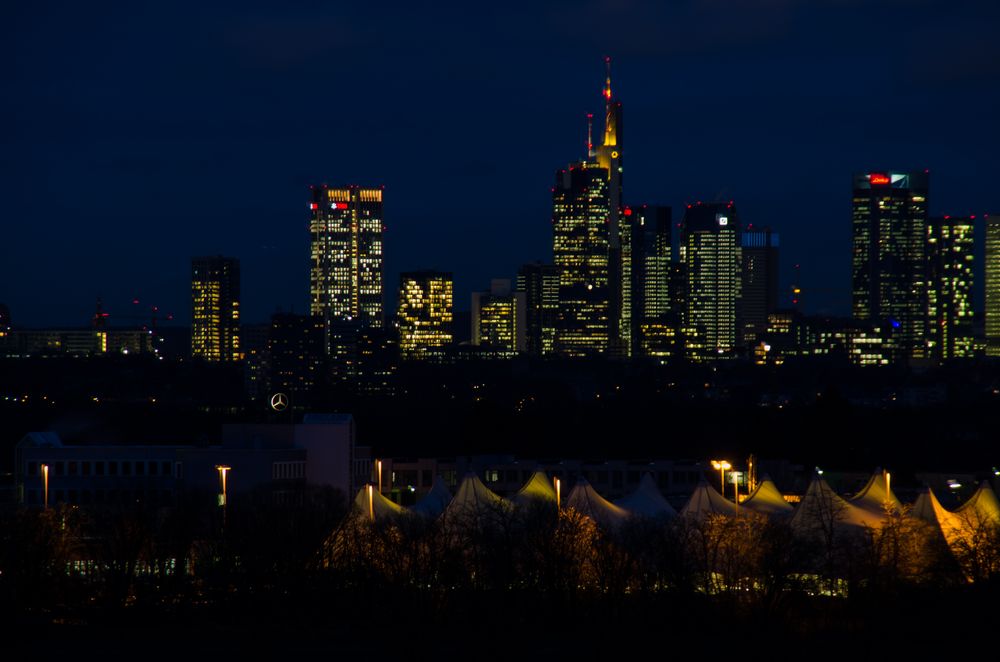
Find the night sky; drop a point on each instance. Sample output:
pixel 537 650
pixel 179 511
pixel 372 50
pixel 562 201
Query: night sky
pixel 134 138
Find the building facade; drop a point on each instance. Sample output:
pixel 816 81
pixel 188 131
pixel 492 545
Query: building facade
pixel 540 285
pixel 215 303
pixel 425 312
pixel 950 270
pixel 580 248
pixel 346 278
pixel 296 356
pixel 889 264
pixel 712 256
pixel 992 285
pixel 646 263
pixel 499 316
pixel 759 289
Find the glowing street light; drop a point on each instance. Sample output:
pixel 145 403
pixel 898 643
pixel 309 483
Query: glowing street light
pixel 722 466
pixel 378 465
pixel 223 470
pixel 558 485
pixel 45 481
pixel 371 502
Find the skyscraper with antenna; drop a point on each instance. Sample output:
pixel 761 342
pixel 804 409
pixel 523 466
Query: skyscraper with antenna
pixel 609 156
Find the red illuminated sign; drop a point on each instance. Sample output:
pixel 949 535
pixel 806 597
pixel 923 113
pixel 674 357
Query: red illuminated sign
pixel 312 205
pixel 341 205
pixel 878 178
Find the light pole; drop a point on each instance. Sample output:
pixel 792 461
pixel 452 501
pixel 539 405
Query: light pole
pixel 378 466
pixel 45 483
pixel 558 486
pixel 223 470
pixel 722 466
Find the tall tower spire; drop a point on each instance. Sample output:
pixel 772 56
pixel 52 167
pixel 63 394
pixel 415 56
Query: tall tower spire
pixel 590 136
pixel 610 116
pixel 607 81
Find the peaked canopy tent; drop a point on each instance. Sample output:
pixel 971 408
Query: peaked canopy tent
pixel 474 500
pixel 435 501
pixel 822 509
pixel 705 501
pixel 377 505
pixel 647 501
pixel 585 500
pixel 982 506
pixel 876 496
pixel 767 500
pixel 928 509
pixel 538 488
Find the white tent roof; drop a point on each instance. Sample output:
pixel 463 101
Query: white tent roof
pixel 706 500
pixel 585 499
pixel 647 501
pixel 822 506
pixel 982 505
pixel 380 505
pixel 473 498
pixel 876 494
pixel 435 501
pixel 767 500
pixel 538 488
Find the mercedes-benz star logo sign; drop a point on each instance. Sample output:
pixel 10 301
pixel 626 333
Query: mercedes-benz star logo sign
pixel 279 401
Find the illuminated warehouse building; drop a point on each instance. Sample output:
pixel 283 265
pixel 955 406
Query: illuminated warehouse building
pixel 345 280
pixel 215 315
pixel 498 317
pixel 951 255
pixel 889 275
pixel 425 311
pixel 712 256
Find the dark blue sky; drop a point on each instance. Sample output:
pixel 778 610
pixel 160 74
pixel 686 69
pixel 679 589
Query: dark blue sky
pixel 136 137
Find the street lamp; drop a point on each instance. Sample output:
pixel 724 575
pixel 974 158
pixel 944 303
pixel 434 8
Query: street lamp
pixel 558 486
pixel 371 502
pixel 378 466
pixel 722 466
pixel 223 470
pixel 45 482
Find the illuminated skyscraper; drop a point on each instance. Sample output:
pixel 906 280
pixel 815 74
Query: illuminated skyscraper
pixel 609 155
pixel 759 289
pixel 646 239
pixel 951 257
pixel 711 252
pixel 425 311
pixel 992 282
pixel 215 315
pixel 345 281
pixel 540 285
pixel 889 283
pixel 580 245
pixel 498 317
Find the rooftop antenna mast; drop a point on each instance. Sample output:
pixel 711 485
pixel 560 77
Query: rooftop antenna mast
pixel 590 137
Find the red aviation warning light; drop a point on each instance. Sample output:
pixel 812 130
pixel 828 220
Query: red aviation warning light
pixel 878 179
pixel 628 211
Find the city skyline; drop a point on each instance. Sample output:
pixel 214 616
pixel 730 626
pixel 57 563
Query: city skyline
pixel 685 104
